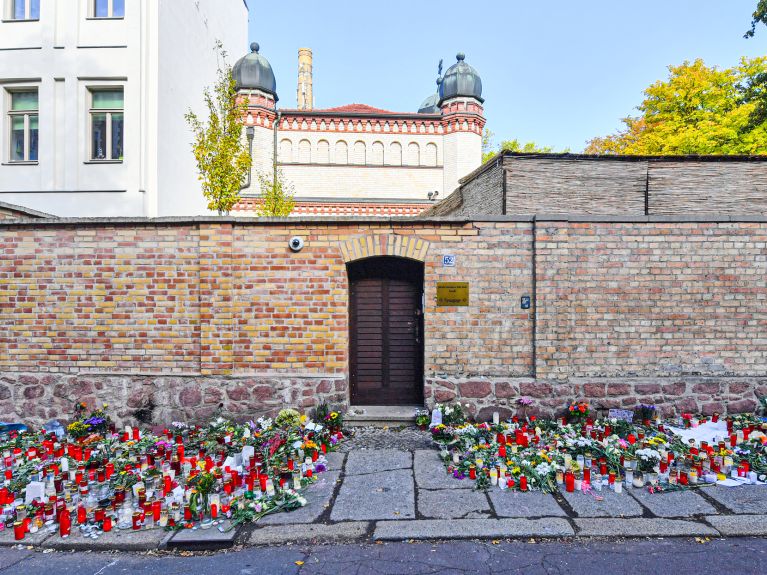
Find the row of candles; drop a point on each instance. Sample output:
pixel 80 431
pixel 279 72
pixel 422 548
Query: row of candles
pixel 86 496
pixel 704 463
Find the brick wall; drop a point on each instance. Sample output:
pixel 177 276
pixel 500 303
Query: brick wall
pixel 177 319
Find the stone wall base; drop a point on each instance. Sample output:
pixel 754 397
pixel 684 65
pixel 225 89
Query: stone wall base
pixel 154 400
pixel 35 398
pixel 672 395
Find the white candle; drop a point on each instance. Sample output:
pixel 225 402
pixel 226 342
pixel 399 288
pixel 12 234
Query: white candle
pixel 496 418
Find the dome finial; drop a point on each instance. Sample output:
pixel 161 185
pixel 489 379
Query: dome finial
pixel 254 47
pixel 439 81
pixel 460 56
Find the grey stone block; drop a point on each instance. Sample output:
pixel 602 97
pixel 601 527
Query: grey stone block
pixel 741 525
pixel 470 528
pixel 7 537
pixel 640 527
pixel 430 472
pixel 744 499
pixel 309 534
pixel 318 496
pixel 377 460
pixel 451 503
pixel 611 505
pixel 529 504
pixel 674 503
pixel 127 540
pixel 335 460
pixel 387 495
pixel 217 537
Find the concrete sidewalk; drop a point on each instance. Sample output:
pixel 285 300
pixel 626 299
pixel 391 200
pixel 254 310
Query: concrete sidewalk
pixel 390 493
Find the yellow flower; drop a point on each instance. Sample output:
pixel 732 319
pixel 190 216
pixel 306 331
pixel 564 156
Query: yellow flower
pixel 302 419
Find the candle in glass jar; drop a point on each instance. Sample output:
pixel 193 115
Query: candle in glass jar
pixel 496 418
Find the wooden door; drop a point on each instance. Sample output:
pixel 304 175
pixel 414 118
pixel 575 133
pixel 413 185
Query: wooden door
pixel 386 341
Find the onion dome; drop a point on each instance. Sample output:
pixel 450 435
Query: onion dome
pixel 431 104
pixel 254 72
pixel 460 80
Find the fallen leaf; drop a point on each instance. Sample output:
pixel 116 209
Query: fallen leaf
pixel 299 563
pixel 495 542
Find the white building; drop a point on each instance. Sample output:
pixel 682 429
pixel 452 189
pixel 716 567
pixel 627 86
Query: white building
pixel 357 159
pixel 93 96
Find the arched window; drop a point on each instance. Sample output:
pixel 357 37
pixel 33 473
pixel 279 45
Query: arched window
pixel 413 154
pixel 359 152
pixel 304 152
pixel 342 152
pixel 323 152
pixel 377 154
pixel 430 155
pixel 286 151
pixel 395 154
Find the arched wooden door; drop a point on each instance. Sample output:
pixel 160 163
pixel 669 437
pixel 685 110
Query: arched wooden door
pixel 386 331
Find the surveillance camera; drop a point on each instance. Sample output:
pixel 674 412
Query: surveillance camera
pixel 296 244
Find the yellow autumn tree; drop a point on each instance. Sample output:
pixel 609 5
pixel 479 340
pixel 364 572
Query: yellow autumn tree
pixel 697 110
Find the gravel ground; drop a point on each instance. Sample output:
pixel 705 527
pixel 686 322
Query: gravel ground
pixel 405 438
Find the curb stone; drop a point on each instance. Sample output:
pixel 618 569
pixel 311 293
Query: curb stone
pixel 303 533
pixel 471 528
pixel 640 527
pixel 741 525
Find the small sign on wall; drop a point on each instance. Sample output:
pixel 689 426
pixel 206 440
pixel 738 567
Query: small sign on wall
pixel 624 414
pixel 524 302
pixel 453 294
pixel 448 261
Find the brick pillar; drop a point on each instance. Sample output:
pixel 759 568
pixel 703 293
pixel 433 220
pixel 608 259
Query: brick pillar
pixel 216 299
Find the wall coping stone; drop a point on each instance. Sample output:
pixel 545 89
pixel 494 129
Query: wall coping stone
pixel 333 220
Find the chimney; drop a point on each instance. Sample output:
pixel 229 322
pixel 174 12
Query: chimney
pixel 304 93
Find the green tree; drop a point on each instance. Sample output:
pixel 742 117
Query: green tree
pixel 698 110
pixel 511 146
pixel 221 153
pixel 276 195
pixel 758 17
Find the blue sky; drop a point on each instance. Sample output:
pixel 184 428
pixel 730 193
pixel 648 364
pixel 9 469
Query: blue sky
pixel 555 72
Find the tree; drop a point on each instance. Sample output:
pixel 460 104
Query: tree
pixel 511 146
pixel 276 195
pixel 698 110
pixel 221 153
pixel 758 17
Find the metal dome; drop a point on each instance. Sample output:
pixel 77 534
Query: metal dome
pixel 431 104
pixel 253 72
pixel 460 80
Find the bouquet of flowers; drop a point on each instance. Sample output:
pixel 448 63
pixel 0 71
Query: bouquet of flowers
pixel 577 412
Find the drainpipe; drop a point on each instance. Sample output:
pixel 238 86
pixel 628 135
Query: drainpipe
pixel 274 150
pixel 249 132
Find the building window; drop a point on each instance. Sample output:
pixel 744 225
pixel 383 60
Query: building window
pixel 23 122
pixel 24 10
pixel 108 9
pixel 107 124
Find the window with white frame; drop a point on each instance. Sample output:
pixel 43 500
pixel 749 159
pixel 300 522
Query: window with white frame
pixel 23 122
pixel 24 10
pixel 107 8
pixel 107 124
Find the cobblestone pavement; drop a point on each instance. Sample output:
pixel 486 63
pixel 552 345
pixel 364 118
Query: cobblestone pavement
pixel 389 485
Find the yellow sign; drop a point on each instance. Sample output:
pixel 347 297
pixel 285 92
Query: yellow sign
pixel 453 294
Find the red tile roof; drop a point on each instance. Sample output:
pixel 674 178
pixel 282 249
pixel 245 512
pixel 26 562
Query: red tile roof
pixel 247 206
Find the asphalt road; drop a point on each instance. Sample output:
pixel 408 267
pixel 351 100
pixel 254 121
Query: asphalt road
pixel 635 557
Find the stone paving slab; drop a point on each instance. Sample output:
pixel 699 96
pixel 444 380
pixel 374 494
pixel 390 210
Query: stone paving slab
pixel 530 504
pixel 7 537
pixel 213 538
pixel 126 540
pixel 453 504
pixel 640 527
pixel 377 460
pixel 743 499
pixel 612 504
pixel 673 503
pixel 318 497
pixel 309 534
pixel 387 495
pixel 430 472
pixel 335 460
pixel 743 525
pixel 471 528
